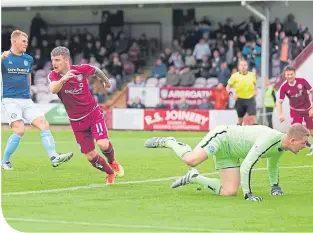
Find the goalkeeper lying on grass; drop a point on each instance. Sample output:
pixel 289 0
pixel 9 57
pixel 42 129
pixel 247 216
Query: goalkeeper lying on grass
pixel 230 144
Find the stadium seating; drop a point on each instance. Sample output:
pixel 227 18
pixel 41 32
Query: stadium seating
pixel 152 82
pixel 212 82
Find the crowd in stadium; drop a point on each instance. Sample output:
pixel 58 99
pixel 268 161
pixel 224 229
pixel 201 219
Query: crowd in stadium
pixel 203 57
pixel 198 57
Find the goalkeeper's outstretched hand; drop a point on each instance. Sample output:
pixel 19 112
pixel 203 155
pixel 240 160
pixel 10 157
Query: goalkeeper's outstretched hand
pixel 276 191
pixel 250 197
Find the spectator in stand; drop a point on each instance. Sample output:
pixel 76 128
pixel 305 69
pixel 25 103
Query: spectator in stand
pixel 222 52
pixel 76 48
pixel 109 44
pixel 176 46
pixel 183 104
pixel 237 59
pixel 93 62
pixel 144 44
pixel 206 104
pixel 224 74
pixel 230 53
pixel 129 67
pixel 88 50
pixel 201 49
pixel 158 70
pixel 234 70
pixel 172 77
pixel 307 39
pixel 250 32
pixel 37 24
pixel 177 60
pixel 116 69
pixel 195 68
pixel 204 68
pixel 133 53
pixel 220 97
pixel 104 27
pixel 101 55
pixel 138 82
pixel 301 30
pixel 214 71
pixel 296 47
pixel 97 45
pixel 45 50
pixel 161 104
pixel 187 77
pixel 275 27
pixel 38 62
pixel 285 53
pixel 166 57
pixel 242 42
pixel 290 25
pixel 216 58
pixel 121 44
pixel 33 46
pixel 137 104
pixel 189 58
pixel 252 52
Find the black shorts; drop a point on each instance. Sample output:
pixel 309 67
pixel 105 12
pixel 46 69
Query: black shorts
pixel 244 106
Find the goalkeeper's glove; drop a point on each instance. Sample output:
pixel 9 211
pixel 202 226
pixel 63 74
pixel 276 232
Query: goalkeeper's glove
pixel 276 190
pixel 250 197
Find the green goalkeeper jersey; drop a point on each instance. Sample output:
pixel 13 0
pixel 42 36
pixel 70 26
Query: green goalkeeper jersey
pixel 248 143
pixel 252 143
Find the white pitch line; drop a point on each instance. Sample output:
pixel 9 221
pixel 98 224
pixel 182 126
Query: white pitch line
pixel 74 142
pixel 125 183
pixel 111 225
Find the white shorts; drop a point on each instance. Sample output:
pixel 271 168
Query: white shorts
pixel 20 109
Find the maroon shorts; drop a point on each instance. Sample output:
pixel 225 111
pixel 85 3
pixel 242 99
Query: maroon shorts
pixel 300 116
pixel 91 128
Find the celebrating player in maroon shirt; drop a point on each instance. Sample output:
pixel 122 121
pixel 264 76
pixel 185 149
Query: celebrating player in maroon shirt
pixel 70 83
pixel 298 91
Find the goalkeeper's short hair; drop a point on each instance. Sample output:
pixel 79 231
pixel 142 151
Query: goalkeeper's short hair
pixel 297 131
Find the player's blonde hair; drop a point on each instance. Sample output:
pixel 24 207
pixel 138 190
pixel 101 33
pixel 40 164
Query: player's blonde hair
pixel 17 33
pixel 297 131
pixel 61 51
pixel 290 68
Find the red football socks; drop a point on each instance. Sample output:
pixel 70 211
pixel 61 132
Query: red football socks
pixel 100 163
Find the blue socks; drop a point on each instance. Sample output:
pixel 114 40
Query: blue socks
pixel 48 142
pixel 12 144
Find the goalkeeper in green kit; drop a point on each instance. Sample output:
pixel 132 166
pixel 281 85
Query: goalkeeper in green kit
pixel 235 150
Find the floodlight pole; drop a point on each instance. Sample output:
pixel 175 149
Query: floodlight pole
pixel 265 17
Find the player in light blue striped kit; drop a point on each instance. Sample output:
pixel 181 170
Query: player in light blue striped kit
pixel 17 104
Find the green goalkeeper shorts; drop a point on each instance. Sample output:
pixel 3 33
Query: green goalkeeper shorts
pixel 223 163
pixel 215 145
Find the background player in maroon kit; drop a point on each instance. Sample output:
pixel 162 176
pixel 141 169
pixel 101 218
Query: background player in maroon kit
pixel 86 117
pixel 298 91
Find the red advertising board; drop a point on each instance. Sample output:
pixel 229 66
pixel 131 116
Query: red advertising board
pixel 172 95
pixel 185 120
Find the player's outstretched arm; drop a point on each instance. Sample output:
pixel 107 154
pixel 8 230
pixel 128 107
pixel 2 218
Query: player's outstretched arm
pixel 261 146
pixel 279 107
pixel 56 86
pixel 103 76
pixel 245 172
pixel 273 175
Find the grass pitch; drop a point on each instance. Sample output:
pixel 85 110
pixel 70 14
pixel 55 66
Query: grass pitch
pixel 72 198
